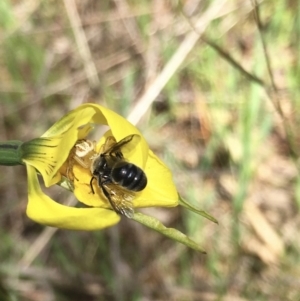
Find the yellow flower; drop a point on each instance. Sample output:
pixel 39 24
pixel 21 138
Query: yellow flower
pixel 49 154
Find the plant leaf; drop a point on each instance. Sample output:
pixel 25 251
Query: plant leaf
pixel 187 205
pixel 172 233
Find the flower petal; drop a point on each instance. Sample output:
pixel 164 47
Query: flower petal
pixel 48 153
pixel 120 128
pixel 160 189
pixel 43 154
pixel 73 120
pixel 44 210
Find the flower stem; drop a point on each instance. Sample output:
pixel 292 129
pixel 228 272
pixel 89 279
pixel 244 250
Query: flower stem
pixel 10 153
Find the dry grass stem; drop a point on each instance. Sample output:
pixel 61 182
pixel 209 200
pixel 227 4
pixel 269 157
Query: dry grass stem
pixel 82 43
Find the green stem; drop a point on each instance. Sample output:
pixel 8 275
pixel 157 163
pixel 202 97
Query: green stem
pixel 10 153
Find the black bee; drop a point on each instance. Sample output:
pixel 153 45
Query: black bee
pixel 118 179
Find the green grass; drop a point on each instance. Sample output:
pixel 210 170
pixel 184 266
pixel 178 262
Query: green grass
pixel 216 128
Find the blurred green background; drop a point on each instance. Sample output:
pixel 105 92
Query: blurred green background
pixel 225 120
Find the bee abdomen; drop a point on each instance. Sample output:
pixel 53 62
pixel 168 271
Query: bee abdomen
pixel 129 176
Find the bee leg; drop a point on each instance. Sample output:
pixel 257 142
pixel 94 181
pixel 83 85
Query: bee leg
pixel 107 195
pixel 119 155
pixel 102 183
pixel 69 172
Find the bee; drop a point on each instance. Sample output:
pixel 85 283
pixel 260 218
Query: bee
pixel 118 179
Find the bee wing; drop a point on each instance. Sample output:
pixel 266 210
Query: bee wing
pixel 127 144
pixel 121 199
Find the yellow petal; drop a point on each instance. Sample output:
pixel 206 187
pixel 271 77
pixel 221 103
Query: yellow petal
pixel 160 189
pixel 44 210
pixel 43 154
pixel 48 153
pixel 120 128
pixel 72 121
